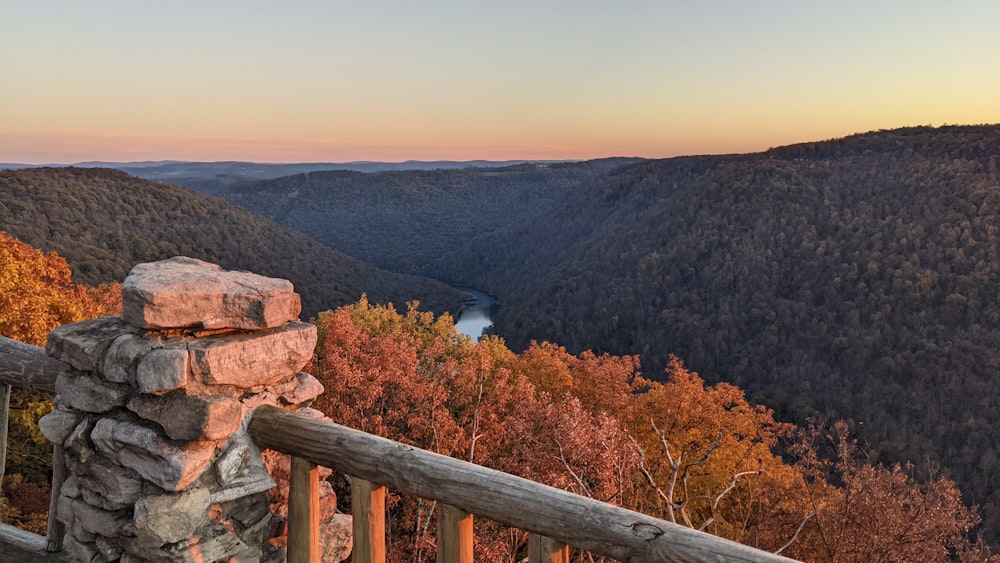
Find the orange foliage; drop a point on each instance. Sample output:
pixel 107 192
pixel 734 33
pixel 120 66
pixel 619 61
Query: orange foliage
pixel 700 455
pixel 36 294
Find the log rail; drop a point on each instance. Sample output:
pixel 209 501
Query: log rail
pixel 554 518
pixel 28 367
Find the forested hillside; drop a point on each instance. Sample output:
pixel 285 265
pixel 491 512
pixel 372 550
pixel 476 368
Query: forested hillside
pixel 404 221
pixel 104 222
pixel 857 277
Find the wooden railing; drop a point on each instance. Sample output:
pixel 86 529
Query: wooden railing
pixel 555 519
pixel 28 367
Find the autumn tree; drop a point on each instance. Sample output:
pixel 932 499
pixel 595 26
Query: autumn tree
pixel 412 377
pixel 877 512
pixel 36 296
pixel 707 462
pixel 699 455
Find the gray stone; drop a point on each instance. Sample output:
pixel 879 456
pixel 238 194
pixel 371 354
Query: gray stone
pixel 163 369
pixel 88 393
pixel 212 543
pixel 240 470
pixel 81 533
pixel 120 359
pixel 306 390
pixel 80 551
pixel 187 417
pixel 78 442
pixel 109 550
pixel 95 520
pixel 58 424
pixel 185 292
pixel 107 485
pixel 251 359
pixel 70 487
pixel 82 344
pixel 170 466
pixel 171 518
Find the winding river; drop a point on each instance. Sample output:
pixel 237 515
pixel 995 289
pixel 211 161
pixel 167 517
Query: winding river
pixel 477 313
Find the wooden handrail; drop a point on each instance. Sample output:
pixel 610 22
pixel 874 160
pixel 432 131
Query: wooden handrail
pixel 28 367
pixel 578 521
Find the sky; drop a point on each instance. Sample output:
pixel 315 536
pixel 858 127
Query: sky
pixel 337 81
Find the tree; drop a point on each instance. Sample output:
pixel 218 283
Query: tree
pixel 36 296
pixel 878 513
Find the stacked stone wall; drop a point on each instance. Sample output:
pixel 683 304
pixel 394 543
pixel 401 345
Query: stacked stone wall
pixel 152 417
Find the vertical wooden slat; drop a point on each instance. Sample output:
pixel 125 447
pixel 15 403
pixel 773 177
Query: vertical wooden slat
pixel 454 539
pixel 4 422
pixel 546 550
pixel 54 535
pixel 303 512
pixel 368 509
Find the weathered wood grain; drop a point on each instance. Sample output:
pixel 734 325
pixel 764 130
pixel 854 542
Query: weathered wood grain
pixel 368 510
pixel 27 367
pixel 56 528
pixel 4 425
pixel 546 550
pixel 572 519
pixel 454 539
pixel 303 512
pixel 25 547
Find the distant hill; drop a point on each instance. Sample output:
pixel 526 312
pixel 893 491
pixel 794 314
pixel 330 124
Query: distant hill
pixel 855 277
pixel 408 220
pixel 212 177
pixel 105 221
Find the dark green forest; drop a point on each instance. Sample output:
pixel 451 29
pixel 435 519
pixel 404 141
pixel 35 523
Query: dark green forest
pixel 853 278
pixel 105 221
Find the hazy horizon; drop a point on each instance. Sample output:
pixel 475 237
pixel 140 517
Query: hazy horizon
pixel 339 82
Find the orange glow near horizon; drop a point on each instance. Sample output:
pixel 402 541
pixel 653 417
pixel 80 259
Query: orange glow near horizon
pixel 334 83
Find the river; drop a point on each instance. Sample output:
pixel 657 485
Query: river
pixel 477 313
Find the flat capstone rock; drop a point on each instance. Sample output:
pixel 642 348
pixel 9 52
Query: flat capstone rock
pixel 183 292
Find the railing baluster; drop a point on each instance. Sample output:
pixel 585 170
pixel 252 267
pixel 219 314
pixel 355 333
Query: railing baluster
pixel 56 529
pixel 368 509
pixel 4 422
pixel 454 539
pixel 546 550
pixel 303 512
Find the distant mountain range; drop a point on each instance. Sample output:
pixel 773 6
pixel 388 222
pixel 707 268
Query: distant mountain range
pixel 210 177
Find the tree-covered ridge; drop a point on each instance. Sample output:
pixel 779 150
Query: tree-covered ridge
pixel 405 220
pixel 104 222
pixel 856 276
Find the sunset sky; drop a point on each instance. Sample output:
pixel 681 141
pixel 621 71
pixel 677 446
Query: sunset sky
pixel 336 81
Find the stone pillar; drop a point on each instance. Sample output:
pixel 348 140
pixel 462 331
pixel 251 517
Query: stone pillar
pixel 152 420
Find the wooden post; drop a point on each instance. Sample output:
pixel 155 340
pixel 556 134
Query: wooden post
pixel 368 509
pixel 303 512
pixel 546 550
pixel 4 423
pixel 56 530
pixel 454 539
